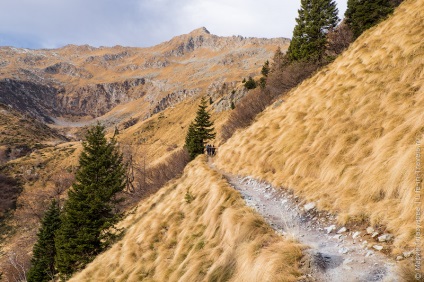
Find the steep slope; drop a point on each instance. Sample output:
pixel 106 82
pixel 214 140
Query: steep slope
pixel 196 229
pixel 349 138
pixel 19 134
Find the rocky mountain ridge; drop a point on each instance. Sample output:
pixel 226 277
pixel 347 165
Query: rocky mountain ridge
pixel 84 81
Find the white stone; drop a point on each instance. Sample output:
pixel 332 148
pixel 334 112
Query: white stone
pixel 343 250
pixel 356 235
pixel 407 254
pixel 370 230
pixel 330 228
pixel 398 258
pixel 374 234
pixel 309 206
pixel 378 247
pixel 369 253
pixel 384 238
pixel 342 230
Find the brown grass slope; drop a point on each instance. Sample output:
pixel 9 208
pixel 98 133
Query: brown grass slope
pixel 346 138
pixel 215 237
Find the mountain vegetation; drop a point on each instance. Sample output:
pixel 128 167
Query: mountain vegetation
pixel 346 137
pixel 199 131
pixel 89 214
pixel 361 15
pixel 316 18
pixel 43 267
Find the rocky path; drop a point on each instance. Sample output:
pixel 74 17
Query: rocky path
pixel 335 253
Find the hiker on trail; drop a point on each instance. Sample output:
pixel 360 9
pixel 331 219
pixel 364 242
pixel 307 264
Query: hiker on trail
pixel 208 149
pixel 213 150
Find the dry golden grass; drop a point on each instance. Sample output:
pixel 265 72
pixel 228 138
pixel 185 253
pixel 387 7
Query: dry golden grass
pixel 215 237
pixel 346 138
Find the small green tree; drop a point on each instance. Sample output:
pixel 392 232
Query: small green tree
pixel 250 83
pixel 233 106
pixel 90 212
pixel 316 18
pixel 199 131
pixel 265 69
pixel 44 252
pixel 361 15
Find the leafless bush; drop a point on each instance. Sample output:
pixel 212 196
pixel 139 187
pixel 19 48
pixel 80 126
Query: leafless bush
pixel 9 192
pixel 253 103
pixel 281 79
pixel 16 266
pixel 144 181
pixel 339 39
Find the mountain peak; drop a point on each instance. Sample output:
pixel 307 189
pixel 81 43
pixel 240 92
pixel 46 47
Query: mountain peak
pixel 200 31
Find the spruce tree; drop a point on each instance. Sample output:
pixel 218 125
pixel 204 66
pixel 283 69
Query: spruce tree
pixel 361 15
pixel 90 211
pixel 44 252
pixel 315 19
pixel 199 131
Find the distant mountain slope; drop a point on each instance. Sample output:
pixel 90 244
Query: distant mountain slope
pixel 212 236
pixel 19 134
pixel 346 138
pixel 77 81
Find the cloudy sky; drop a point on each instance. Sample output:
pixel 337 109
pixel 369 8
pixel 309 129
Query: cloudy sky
pixel 55 23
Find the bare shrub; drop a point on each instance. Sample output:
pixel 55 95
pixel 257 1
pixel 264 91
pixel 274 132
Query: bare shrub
pixel 282 78
pixel 253 103
pixel 9 192
pixel 146 181
pixel 339 39
pixel 16 266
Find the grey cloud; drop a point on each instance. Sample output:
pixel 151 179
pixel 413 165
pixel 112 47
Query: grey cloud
pixel 54 23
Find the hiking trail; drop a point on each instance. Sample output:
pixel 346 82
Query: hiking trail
pixel 334 254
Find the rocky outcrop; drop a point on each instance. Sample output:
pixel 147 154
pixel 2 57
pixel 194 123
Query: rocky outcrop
pixel 68 69
pixel 174 98
pixel 29 97
pixel 44 101
pixel 98 99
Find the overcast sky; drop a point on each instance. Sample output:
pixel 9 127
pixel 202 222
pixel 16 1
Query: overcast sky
pixel 55 23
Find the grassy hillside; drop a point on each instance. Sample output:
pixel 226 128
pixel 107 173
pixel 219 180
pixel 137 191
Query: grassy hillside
pixel 346 138
pixel 211 237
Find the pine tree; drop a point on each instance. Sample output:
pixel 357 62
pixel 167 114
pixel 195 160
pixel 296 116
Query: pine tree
pixel 315 19
pixel 361 15
pixel 250 83
pixel 265 69
pixel 199 131
pixel 90 211
pixel 44 252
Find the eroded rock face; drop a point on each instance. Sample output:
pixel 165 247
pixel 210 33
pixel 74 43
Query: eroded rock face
pixel 44 101
pixel 29 97
pixel 68 69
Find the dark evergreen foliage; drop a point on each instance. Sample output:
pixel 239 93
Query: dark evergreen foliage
pixel 199 131
pixel 316 18
pixel 361 15
pixel 89 213
pixel 250 83
pixel 44 252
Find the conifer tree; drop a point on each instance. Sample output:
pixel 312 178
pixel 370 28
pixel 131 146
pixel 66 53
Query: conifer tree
pixel 361 15
pixel 315 19
pixel 90 211
pixel 44 252
pixel 199 131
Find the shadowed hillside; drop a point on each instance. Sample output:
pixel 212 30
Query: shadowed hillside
pixel 346 138
pixel 196 229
